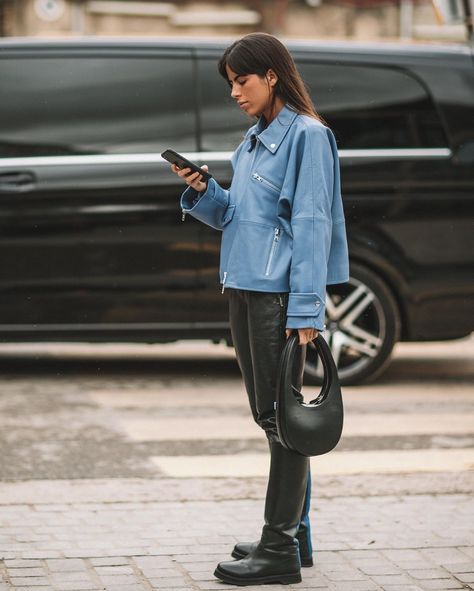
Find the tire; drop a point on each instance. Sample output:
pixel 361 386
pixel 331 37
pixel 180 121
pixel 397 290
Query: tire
pixel 362 326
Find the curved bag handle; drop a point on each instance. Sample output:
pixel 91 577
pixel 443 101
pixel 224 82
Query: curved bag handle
pixel 312 428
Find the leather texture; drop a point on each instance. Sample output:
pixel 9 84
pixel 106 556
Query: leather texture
pixel 276 558
pixel 303 535
pixel 261 567
pixel 312 428
pixel 242 549
pixel 282 219
pixel 257 322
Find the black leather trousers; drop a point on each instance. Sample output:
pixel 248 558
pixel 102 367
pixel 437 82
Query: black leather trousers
pixel 257 322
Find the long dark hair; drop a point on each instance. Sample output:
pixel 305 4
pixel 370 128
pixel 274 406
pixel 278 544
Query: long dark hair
pixel 256 53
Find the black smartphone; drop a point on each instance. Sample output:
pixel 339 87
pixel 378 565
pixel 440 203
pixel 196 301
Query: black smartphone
pixel 182 162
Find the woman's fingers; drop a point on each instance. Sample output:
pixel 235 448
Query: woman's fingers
pixel 193 179
pixel 188 178
pixel 306 335
pixel 184 172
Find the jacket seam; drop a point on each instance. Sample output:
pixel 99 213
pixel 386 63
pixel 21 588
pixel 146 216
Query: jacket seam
pixel 243 220
pixel 218 202
pixel 239 286
pixel 314 217
pixel 306 293
pixel 312 222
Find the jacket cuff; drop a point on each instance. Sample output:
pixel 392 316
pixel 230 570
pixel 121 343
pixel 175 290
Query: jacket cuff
pixel 305 304
pixel 305 322
pixel 305 310
pixel 190 198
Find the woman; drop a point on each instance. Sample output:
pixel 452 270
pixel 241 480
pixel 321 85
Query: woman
pixel 283 241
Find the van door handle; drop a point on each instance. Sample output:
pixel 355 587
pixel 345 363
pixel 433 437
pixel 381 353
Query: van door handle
pixel 17 182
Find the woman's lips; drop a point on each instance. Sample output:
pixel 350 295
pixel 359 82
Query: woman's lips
pixel 243 105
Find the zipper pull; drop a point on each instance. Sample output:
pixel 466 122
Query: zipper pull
pixel 183 215
pixel 277 234
pixel 223 281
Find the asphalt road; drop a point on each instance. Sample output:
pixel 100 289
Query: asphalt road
pixel 180 411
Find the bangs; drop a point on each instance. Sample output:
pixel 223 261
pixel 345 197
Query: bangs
pixel 240 60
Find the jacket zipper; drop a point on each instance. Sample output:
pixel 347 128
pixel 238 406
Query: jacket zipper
pixel 276 237
pixel 253 160
pixel 263 180
pixel 254 152
pixel 223 281
pixel 183 215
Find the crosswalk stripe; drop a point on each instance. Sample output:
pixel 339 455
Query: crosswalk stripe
pixel 243 427
pixel 350 462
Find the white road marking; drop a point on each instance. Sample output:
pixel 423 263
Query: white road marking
pixel 350 462
pixel 228 427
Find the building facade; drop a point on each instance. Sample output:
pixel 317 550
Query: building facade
pixel 340 19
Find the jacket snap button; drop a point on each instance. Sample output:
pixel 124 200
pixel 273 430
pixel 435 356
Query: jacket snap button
pixel 272 145
pixel 317 304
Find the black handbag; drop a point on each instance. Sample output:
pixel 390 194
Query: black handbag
pixel 315 427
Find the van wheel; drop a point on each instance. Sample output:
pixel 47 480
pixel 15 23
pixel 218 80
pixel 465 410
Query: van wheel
pixel 362 326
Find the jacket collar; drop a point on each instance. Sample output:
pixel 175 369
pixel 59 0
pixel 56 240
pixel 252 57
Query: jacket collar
pixel 272 135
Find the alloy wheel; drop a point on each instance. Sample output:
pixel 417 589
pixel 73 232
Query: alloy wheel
pixel 361 328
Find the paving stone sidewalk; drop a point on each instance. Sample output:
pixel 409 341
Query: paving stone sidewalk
pixel 397 542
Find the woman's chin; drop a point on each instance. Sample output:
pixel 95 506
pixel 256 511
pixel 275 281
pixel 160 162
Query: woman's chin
pixel 252 112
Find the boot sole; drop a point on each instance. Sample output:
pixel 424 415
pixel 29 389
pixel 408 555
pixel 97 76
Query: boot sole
pixel 305 562
pixel 287 579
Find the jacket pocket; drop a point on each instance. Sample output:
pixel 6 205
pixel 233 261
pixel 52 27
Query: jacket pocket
pixel 260 179
pixel 273 248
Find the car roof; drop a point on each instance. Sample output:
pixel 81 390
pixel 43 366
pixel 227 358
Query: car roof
pixel 372 48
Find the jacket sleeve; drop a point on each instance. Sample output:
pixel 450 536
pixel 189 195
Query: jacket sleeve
pixel 317 221
pixel 209 206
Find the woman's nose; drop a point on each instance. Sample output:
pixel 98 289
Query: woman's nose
pixel 234 93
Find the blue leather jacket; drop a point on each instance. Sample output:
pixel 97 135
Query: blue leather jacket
pixel 282 219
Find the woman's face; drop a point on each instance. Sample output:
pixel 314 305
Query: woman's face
pixel 251 92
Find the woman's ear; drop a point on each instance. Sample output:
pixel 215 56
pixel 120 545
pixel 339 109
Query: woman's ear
pixel 271 77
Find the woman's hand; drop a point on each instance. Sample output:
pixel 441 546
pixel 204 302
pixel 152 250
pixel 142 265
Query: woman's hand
pixel 194 179
pixel 306 334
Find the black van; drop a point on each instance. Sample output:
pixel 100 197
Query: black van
pixel 92 246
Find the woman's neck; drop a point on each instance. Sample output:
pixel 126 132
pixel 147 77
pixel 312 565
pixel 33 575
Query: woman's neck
pixel 272 110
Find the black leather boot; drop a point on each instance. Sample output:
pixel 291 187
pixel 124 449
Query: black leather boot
pixel 303 535
pixel 276 557
pixel 243 548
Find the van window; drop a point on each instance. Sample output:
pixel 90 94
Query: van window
pixel 366 107
pixel 373 107
pixel 96 105
pixel 223 124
